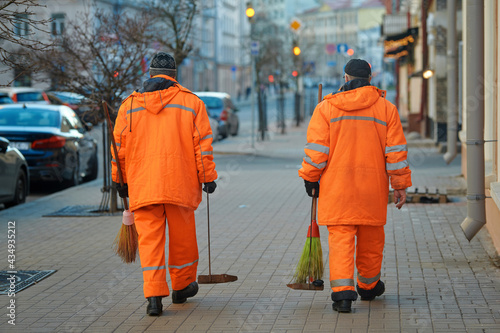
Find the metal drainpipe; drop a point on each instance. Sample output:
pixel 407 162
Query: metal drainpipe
pixel 451 67
pixel 474 35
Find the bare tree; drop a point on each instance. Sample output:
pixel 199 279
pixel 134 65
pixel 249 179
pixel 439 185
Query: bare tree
pixel 100 55
pixel 173 22
pixel 20 32
pixel 274 58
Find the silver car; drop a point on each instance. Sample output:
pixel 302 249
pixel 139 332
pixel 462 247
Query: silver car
pixel 14 175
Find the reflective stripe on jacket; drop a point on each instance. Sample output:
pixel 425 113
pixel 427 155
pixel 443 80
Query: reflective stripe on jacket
pixel 355 142
pixel 164 145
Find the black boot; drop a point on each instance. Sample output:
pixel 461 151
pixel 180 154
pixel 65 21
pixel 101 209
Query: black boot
pixel 180 296
pixel 342 300
pixel 155 308
pixel 370 294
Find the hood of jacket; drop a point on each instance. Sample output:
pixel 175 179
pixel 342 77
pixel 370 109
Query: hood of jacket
pixel 157 92
pixel 355 95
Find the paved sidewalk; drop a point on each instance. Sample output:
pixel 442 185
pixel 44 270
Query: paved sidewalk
pixel 436 281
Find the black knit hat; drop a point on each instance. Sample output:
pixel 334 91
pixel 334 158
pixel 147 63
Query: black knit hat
pixel 162 60
pixel 358 68
pixel 162 64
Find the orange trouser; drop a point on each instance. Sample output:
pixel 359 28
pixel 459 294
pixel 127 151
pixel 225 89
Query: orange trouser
pixel 182 247
pixel 369 253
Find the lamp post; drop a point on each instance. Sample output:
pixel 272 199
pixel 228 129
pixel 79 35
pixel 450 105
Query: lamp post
pixel 250 12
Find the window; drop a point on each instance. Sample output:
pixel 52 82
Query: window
pixel 57 24
pixel 21 27
pixel 22 78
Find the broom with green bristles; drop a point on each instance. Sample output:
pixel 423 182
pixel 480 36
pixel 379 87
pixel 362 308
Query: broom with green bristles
pixel 310 268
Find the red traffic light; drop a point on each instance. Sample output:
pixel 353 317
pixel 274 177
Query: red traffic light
pixel 295 73
pixel 270 78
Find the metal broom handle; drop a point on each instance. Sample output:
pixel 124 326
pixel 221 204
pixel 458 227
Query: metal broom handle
pixel 208 222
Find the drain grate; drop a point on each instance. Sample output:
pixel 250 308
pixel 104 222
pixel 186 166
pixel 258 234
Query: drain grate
pixel 423 194
pixel 22 280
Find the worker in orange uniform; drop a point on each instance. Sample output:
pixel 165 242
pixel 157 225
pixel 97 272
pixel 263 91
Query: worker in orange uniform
pixel 355 143
pixel 164 144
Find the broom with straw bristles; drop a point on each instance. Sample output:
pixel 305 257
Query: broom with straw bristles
pixel 126 242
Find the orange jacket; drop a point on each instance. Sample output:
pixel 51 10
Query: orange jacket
pixel 164 145
pixel 355 142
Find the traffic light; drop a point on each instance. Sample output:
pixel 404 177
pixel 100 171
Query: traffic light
pixel 295 48
pixel 270 78
pixel 250 12
pixel 295 73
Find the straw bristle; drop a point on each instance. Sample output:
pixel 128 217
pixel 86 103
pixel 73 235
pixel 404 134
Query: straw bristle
pixel 126 243
pixel 314 270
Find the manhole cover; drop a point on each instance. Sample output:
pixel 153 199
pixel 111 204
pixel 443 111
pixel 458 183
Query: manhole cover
pixel 19 280
pixel 81 211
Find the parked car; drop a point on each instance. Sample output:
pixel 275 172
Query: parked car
pixel 14 178
pixel 54 142
pixel 5 98
pixel 222 108
pixel 88 111
pixel 214 124
pixel 26 94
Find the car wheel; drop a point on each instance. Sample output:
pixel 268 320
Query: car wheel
pixel 20 193
pixel 93 169
pixel 235 131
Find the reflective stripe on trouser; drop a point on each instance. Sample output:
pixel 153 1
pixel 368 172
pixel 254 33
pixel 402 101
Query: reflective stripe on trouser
pixel 183 247
pixel 369 254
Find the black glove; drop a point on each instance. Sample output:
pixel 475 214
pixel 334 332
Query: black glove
pixel 210 187
pixel 310 186
pixel 122 190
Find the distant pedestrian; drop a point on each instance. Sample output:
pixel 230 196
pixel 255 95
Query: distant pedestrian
pixel 355 143
pixel 165 150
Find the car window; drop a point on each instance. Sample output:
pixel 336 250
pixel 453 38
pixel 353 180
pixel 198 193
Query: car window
pixel 5 99
pixel 29 96
pixel 72 118
pixel 230 104
pixel 212 102
pixel 33 117
pixel 65 125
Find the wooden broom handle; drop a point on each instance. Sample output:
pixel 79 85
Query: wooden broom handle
pixel 315 199
pixel 118 169
pixel 320 92
pixel 313 209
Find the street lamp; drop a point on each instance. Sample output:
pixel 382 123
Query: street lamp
pixel 428 74
pixel 250 12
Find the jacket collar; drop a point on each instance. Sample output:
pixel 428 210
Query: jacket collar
pixel 158 82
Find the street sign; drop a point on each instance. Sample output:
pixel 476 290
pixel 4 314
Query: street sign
pixel 254 48
pixel 331 63
pixel 331 48
pixel 342 48
pixel 295 25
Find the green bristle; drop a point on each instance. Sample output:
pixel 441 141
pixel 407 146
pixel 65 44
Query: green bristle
pixel 314 270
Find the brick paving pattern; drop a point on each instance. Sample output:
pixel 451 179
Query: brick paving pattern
pixel 436 281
